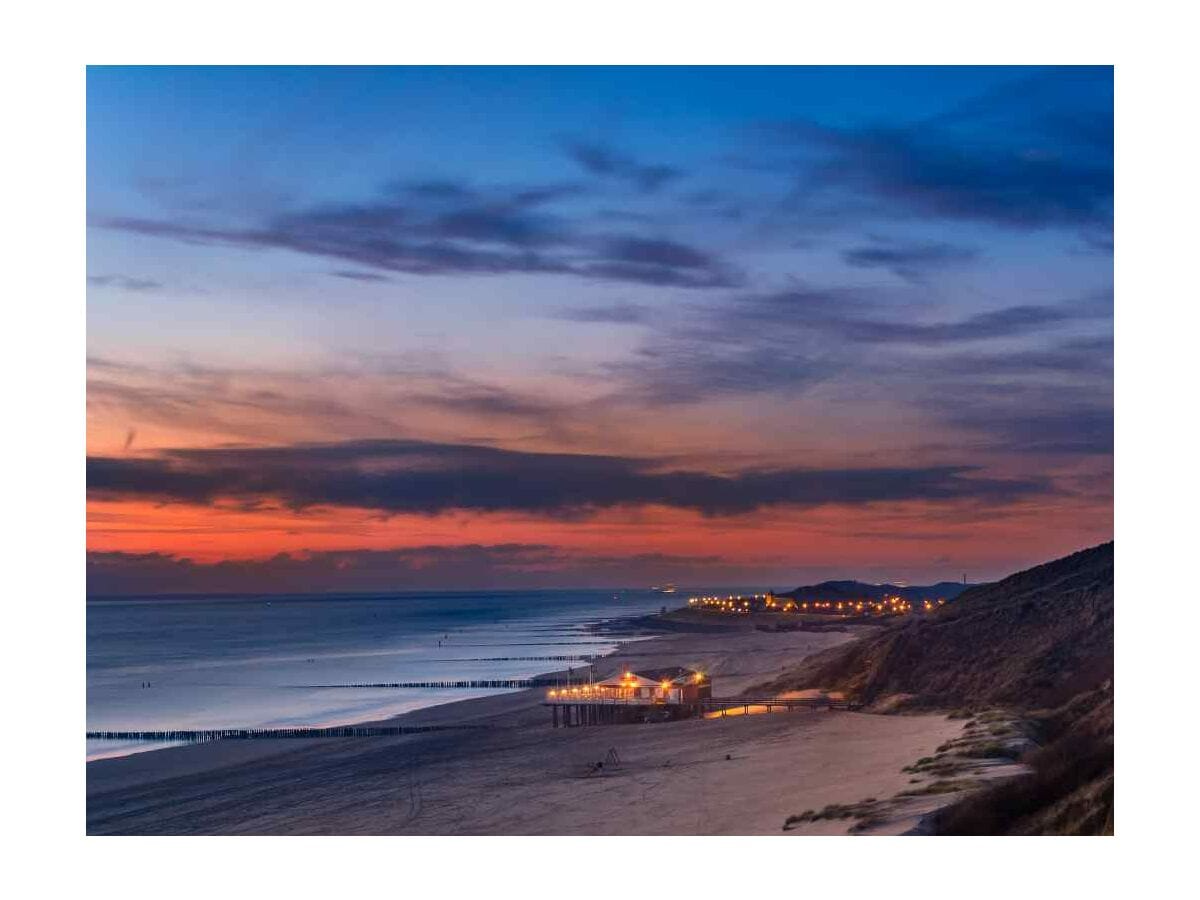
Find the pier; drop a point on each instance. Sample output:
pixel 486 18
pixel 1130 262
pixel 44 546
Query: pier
pixel 570 712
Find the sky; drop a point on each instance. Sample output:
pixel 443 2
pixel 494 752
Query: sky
pixel 437 328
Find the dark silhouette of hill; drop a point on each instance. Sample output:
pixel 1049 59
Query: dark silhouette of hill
pixel 860 590
pixel 1039 642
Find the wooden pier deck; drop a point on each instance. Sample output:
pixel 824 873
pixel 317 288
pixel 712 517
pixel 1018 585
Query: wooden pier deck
pixel 608 711
pixel 773 703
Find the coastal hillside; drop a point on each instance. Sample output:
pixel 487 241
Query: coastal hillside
pixel 860 590
pixel 1040 643
pixel 1034 639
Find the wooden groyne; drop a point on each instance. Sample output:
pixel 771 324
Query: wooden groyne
pixel 243 734
pixel 506 683
pixel 586 659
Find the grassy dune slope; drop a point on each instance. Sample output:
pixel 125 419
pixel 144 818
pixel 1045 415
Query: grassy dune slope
pixel 1039 642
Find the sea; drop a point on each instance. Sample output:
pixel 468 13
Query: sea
pixel 167 663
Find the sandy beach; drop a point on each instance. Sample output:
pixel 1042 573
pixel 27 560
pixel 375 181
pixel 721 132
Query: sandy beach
pixel 739 775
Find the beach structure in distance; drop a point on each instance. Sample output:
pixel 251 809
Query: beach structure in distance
pixel 887 605
pixel 629 696
pixel 666 695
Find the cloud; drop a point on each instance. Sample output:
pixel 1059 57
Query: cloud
pixel 1034 153
pixel 791 340
pixel 1054 399
pixel 1089 357
pixel 398 476
pixel 613 313
pixel 1038 422
pixel 124 282
pixel 680 369
pixel 927 176
pixel 656 261
pixel 444 228
pixel 1008 321
pixel 748 344
pixel 911 261
pixel 456 566
pixel 603 160
pixel 476 399
pixel 355 397
pixel 358 276
pixel 1098 242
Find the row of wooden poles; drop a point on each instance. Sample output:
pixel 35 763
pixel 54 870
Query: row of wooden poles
pixel 222 734
pixel 573 714
pixel 516 683
pixel 575 658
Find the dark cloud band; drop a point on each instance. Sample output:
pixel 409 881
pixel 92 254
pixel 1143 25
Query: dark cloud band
pixel 423 477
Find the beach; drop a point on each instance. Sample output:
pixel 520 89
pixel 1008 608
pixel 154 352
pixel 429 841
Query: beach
pixel 518 775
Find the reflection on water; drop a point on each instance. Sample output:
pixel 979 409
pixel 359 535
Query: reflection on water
pixel 109 749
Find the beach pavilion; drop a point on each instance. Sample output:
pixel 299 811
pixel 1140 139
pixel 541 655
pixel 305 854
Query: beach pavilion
pixel 631 696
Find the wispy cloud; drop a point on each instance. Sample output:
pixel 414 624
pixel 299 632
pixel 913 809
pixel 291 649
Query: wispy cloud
pixel 124 282
pixel 607 162
pixel 351 275
pixel 441 228
pixel 610 314
pixel 909 260
pixel 789 340
pixel 357 398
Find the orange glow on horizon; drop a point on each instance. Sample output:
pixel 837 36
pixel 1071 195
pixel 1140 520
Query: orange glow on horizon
pixel 823 536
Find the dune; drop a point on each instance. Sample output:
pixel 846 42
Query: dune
pixel 1038 645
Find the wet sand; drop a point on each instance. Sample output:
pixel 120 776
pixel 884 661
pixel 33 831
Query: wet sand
pixel 739 775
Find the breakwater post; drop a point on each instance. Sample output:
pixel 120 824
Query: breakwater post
pixel 222 734
pixel 508 683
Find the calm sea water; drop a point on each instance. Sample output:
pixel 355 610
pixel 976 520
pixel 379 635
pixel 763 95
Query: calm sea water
pixel 224 662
